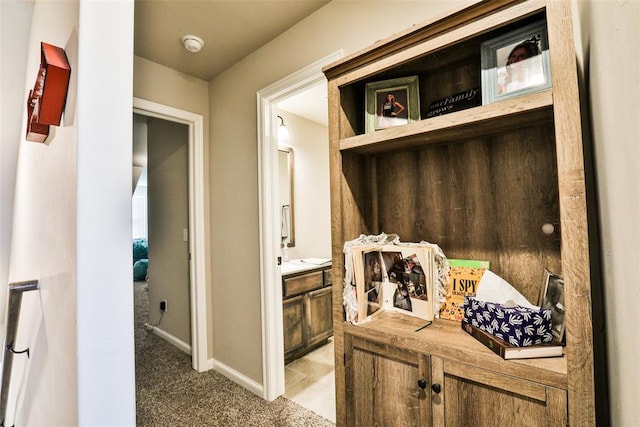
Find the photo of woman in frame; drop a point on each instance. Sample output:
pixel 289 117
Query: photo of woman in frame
pixel 516 63
pixel 390 103
pixel 392 110
pixel 522 65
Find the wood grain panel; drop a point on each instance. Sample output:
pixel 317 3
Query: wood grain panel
pixel 504 116
pixel 445 339
pixel 292 313
pixel 507 383
pixel 303 283
pixel 384 387
pixel 438 399
pixel 469 403
pixel 319 315
pixel 575 244
pixel 439 41
pixel 479 199
pixel 337 264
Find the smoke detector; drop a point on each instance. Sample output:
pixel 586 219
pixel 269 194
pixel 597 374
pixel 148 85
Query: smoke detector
pixel 192 43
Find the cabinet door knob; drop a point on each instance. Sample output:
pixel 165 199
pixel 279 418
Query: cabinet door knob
pixel 436 388
pixel 422 383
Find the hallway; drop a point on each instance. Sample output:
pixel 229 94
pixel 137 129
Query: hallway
pixel 170 392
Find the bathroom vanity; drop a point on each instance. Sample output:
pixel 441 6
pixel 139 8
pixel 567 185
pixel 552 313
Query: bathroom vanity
pixel 306 307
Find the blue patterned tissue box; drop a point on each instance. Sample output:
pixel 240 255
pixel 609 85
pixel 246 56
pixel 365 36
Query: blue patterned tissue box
pixel 519 326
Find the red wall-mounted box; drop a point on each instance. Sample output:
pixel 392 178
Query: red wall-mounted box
pixel 49 95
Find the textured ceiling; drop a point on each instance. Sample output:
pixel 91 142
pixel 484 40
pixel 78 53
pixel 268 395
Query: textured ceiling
pixel 231 29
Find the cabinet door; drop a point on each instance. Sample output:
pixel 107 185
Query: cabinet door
pixel 471 396
pixel 293 322
pixel 382 385
pixel 319 314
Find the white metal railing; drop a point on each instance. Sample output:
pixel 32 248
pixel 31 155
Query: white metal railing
pixel 16 290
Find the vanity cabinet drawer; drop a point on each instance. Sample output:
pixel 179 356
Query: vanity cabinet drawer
pixel 299 284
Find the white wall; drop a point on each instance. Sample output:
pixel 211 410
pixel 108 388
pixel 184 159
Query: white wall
pixel 15 26
pixel 609 56
pixel 71 227
pixel 106 378
pixel 310 143
pixel 44 247
pixel 347 25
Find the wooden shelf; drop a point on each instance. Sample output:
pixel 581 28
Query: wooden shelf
pixel 445 338
pixel 516 113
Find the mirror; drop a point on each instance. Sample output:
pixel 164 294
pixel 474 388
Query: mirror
pixel 285 175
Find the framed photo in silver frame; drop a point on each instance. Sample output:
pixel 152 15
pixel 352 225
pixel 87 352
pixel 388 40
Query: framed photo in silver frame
pixel 516 63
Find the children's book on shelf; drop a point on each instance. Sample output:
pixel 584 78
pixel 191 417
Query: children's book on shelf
pixel 507 351
pixel 464 277
pixel 398 277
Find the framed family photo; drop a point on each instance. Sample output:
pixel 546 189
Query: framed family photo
pixel 516 63
pixel 393 102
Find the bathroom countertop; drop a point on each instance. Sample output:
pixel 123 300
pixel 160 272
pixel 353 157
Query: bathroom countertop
pixel 305 264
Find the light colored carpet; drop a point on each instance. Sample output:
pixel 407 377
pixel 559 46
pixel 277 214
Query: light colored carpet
pixel 170 393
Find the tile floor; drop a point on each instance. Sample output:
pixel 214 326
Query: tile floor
pixel 310 381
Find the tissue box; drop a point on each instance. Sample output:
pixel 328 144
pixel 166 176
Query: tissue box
pixel 519 326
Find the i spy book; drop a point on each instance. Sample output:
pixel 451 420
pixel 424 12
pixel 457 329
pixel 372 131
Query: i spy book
pixel 464 277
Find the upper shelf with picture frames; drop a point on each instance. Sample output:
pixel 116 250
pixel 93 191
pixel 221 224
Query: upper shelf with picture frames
pixel 489 76
pixel 486 160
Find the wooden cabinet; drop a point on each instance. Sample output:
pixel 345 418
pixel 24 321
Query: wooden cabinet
pixel 481 183
pixel 307 311
pixel 382 385
pixel 434 381
pixel 491 398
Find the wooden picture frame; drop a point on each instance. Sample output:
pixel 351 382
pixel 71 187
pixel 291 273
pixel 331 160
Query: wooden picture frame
pixel 552 298
pixel 390 103
pixel 516 63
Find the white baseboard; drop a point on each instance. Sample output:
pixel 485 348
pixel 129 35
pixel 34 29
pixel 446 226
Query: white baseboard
pixel 220 367
pixel 170 338
pixel 237 377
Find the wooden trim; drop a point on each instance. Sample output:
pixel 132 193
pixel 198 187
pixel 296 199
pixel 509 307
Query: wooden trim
pixel 438 400
pixel 512 385
pixel 440 41
pixel 337 266
pixel 416 34
pixel 197 224
pixel 445 339
pixel 573 215
pixel 483 120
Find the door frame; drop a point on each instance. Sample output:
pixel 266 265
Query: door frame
pixel 270 277
pixel 197 272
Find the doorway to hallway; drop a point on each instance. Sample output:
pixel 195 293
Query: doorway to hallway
pixel 190 233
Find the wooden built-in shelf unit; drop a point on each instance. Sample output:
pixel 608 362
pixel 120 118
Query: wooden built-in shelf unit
pixel 480 183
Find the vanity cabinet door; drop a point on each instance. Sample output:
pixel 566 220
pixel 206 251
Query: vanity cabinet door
pixel 470 395
pixel 293 321
pixel 385 385
pixel 319 315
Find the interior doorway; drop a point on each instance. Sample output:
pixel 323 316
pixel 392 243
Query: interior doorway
pixel 194 233
pixel 270 226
